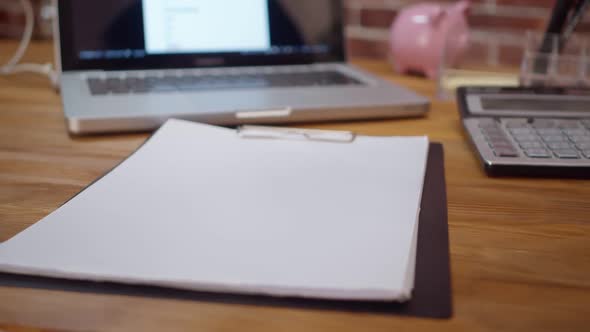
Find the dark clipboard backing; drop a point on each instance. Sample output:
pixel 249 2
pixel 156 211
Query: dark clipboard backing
pixel 431 297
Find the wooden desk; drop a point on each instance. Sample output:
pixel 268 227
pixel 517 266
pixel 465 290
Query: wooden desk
pixel 520 247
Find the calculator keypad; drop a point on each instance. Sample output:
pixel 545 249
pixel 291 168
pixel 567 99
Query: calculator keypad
pixel 497 139
pixel 540 141
pixel 545 138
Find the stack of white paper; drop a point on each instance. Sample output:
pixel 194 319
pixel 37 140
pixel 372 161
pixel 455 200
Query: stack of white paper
pixel 199 207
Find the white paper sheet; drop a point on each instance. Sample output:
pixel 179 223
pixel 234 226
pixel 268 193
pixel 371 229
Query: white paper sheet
pixel 199 207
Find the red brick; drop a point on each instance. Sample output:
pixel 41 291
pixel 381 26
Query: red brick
pixel 583 27
pixel 367 48
pixel 377 17
pixel 505 23
pixel 386 3
pixel 535 3
pixel 510 55
pixel 476 53
pixel 351 16
pixel 372 3
pixel 399 3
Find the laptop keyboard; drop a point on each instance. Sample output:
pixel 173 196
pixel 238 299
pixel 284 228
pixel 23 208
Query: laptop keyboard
pixel 192 82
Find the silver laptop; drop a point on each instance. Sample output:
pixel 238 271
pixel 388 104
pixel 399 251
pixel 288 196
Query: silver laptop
pixel 128 65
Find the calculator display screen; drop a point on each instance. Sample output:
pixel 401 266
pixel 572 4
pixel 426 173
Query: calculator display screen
pixel 515 103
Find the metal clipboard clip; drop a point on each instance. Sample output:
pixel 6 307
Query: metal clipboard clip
pixel 335 136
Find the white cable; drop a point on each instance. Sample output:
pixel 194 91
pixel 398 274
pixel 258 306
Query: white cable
pixel 13 66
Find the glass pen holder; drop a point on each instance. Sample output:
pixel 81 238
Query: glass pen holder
pixel 555 60
pixel 475 66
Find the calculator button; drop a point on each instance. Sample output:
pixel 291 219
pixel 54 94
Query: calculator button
pixel 531 145
pixel 544 123
pixel 521 131
pixel 493 133
pixel 505 152
pixel 554 138
pixel 515 123
pixel 549 131
pixel 500 144
pixel 583 145
pixel 586 153
pixel 586 123
pixel 499 141
pixel 526 138
pixel 568 124
pixel 575 132
pixel 537 153
pixel 559 145
pixel 495 137
pixel 487 122
pixel 580 139
pixel 566 154
pixel 491 130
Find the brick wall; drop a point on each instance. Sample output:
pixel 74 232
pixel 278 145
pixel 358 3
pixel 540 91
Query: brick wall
pixel 498 26
pixel 12 19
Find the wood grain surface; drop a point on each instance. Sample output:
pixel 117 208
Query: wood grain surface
pixel 520 248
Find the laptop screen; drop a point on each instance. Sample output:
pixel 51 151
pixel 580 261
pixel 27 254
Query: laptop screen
pixel 141 34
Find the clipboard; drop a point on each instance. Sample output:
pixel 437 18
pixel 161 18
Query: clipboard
pixel 431 296
pixel 264 132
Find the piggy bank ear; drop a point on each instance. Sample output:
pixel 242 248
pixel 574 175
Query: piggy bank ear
pixel 438 16
pixel 462 7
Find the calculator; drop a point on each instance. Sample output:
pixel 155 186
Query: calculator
pixel 528 131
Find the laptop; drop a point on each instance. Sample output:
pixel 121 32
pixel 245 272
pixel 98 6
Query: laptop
pixel 128 65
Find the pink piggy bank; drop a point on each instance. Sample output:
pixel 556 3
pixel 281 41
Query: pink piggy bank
pixel 420 32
